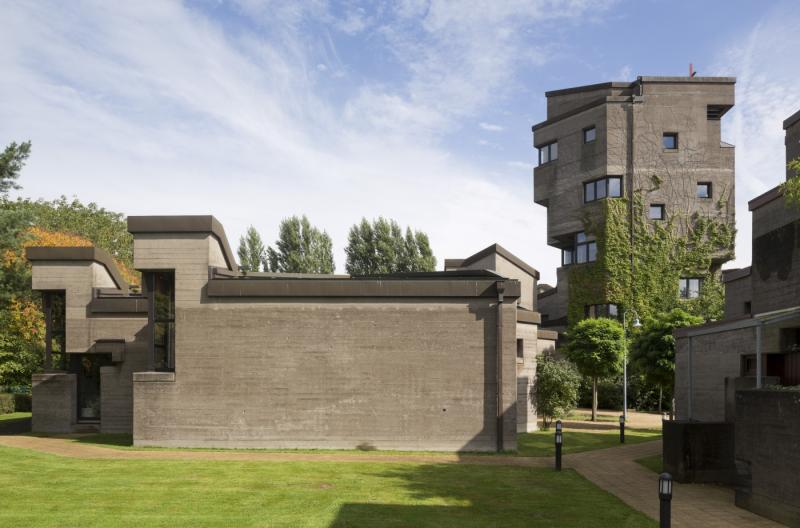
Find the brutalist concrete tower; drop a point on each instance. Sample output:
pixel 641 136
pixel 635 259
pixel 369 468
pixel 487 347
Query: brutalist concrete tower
pixel 653 147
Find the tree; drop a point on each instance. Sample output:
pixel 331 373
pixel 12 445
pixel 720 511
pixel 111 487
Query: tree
pixel 251 251
pixel 379 248
pixel 595 346
pixel 11 162
pixel 653 348
pixel 556 389
pixel 791 187
pixel 301 248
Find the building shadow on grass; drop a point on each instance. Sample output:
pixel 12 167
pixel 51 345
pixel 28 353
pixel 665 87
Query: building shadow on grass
pixel 16 426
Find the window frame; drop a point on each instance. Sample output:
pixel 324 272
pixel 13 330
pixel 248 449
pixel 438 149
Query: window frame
pixel 154 320
pixel 588 129
pixel 674 137
pixel 594 311
pixel 709 187
pixel 662 208
pixel 550 148
pixel 584 247
pixel 687 288
pixel 605 183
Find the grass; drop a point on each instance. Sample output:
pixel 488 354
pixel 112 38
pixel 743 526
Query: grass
pixel 538 444
pixel 542 443
pixel 14 416
pixel 42 490
pixel 653 463
pixel 583 416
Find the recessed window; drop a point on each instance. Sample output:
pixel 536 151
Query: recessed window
pixel 656 211
pixel 548 153
pixel 607 187
pixel 520 348
pixel 567 256
pixel 704 190
pixel 690 287
pixel 601 310
pixel 748 307
pixel 670 141
pixel 589 134
pixel 161 299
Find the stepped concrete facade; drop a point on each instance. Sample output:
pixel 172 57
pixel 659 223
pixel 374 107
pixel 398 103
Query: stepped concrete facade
pixel 611 140
pixel 208 356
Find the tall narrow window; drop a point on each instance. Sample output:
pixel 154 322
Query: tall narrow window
pixel 161 290
pixel 55 320
pixel 520 348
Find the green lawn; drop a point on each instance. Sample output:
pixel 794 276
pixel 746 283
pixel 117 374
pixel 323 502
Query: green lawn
pixel 14 416
pixel 44 490
pixel 542 443
pixel 653 463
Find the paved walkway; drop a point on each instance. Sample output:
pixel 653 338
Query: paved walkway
pixel 693 505
pixel 613 469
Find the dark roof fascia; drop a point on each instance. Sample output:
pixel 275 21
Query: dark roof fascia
pixel 506 254
pixel 266 275
pixel 682 79
pixel 792 119
pixel 687 331
pixel 66 254
pixel 118 305
pixel 528 317
pixel 763 199
pixel 570 113
pixel 735 274
pixel 184 224
pixel 590 88
pixel 361 288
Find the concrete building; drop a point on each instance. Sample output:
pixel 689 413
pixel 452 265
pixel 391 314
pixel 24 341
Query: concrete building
pixel 208 356
pixel 726 425
pixel 655 137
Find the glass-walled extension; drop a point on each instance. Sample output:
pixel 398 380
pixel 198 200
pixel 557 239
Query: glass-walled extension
pixel 161 293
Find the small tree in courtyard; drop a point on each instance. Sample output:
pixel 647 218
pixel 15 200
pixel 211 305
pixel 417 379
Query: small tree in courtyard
pixel 653 348
pixel 596 347
pixel 556 389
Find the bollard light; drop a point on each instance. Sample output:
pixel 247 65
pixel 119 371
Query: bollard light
pixel 559 438
pixel 558 425
pixel 665 495
pixel 622 429
pixel 559 441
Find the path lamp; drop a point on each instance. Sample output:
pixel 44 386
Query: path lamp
pixel 559 441
pixel 636 324
pixel 665 494
pixel 622 429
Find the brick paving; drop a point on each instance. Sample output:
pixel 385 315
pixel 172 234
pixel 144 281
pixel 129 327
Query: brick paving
pixel 693 505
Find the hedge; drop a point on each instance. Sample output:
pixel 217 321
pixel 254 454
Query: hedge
pixel 14 403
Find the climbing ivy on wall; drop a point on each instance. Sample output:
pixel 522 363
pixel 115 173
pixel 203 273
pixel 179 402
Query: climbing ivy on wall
pixel 791 187
pixel 663 252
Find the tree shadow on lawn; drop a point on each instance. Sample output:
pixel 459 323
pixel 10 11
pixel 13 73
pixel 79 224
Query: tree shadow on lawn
pixel 443 495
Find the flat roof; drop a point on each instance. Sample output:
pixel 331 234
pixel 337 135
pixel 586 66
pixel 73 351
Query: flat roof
pixel 86 253
pixel 641 79
pixel 765 198
pixel 185 224
pixel 791 120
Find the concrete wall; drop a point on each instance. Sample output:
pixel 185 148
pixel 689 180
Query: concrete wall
pixel 54 402
pixel 391 375
pixel 768 448
pixel 737 293
pixel 792 126
pixel 116 390
pixel 526 376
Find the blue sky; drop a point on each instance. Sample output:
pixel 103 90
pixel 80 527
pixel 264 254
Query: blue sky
pixel 421 111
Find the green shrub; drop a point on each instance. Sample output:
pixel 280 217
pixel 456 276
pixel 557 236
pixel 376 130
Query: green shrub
pixel 14 403
pixel 556 389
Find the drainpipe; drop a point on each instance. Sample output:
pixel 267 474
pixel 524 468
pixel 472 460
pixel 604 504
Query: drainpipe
pixel 499 379
pixel 691 380
pixel 758 353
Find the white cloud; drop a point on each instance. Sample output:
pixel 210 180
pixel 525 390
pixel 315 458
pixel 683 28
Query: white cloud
pixel 154 109
pixel 491 127
pixel 766 93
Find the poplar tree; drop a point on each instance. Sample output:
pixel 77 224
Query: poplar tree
pixel 300 248
pixel 251 251
pixel 380 247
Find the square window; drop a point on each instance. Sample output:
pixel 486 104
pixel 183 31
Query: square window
pixel 704 190
pixel 615 187
pixel 589 192
pixel 548 153
pixel 656 211
pixel 670 141
pixel 689 288
pixel 581 254
pixel 589 134
pixel 613 311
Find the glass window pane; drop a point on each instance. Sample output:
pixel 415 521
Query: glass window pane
pixel 601 189
pixel 656 212
pixel 543 155
pixel 670 141
pixel 581 253
pixel 704 190
pixel 554 151
pixel 612 310
pixel 589 135
pixel 588 192
pixel 682 288
pixel 580 237
pixel 694 288
pixel 566 257
pixel 592 248
pixel 615 187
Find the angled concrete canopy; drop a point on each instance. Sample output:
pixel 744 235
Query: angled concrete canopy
pixel 77 254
